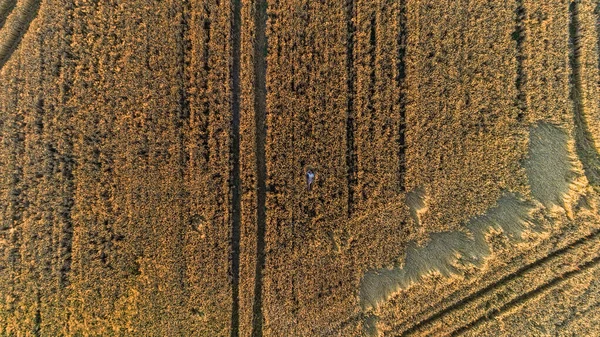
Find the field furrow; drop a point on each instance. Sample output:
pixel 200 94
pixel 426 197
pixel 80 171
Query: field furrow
pixel 182 126
pixel 589 54
pixel 15 26
pixel 388 122
pixel 59 134
pixel 235 184
pixel 364 64
pixel 260 100
pixel 401 86
pixel 66 163
pixel 567 306
pixel 6 7
pixel 350 107
pixel 519 37
pixel 597 19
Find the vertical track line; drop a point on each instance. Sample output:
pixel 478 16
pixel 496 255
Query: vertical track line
pixel 584 144
pixel 351 92
pixel 206 26
pixel 182 122
pixel 519 37
pixel 260 115
pixel 372 61
pixel 235 167
pixel 401 77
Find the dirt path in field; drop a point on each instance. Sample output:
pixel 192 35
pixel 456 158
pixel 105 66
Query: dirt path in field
pixel 260 114
pixel 235 169
pixel 519 36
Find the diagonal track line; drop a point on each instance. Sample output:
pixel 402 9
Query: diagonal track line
pixel 490 289
pixel 523 298
pixel 13 34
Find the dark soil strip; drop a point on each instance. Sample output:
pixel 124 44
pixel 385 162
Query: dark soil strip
pixel 235 168
pixel 351 92
pixel 6 6
pixel 181 122
pixel 260 115
pixel 205 135
pixel 519 37
pixel 12 35
pixel 587 152
pixel 401 66
pixel 522 299
pixel 183 63
pixel 40 105
pixel 490 289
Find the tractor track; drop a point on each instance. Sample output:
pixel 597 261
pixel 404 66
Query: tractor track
pixel 496 286
pixel 235 182
pixel 525 297
pixel 260 115
pixel 6 7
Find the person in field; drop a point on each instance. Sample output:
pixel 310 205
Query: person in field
pixel 310 178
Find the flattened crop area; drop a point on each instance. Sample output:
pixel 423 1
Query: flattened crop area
pixel 299 168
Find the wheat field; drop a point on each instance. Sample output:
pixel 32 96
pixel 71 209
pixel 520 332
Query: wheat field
pixel 299 168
